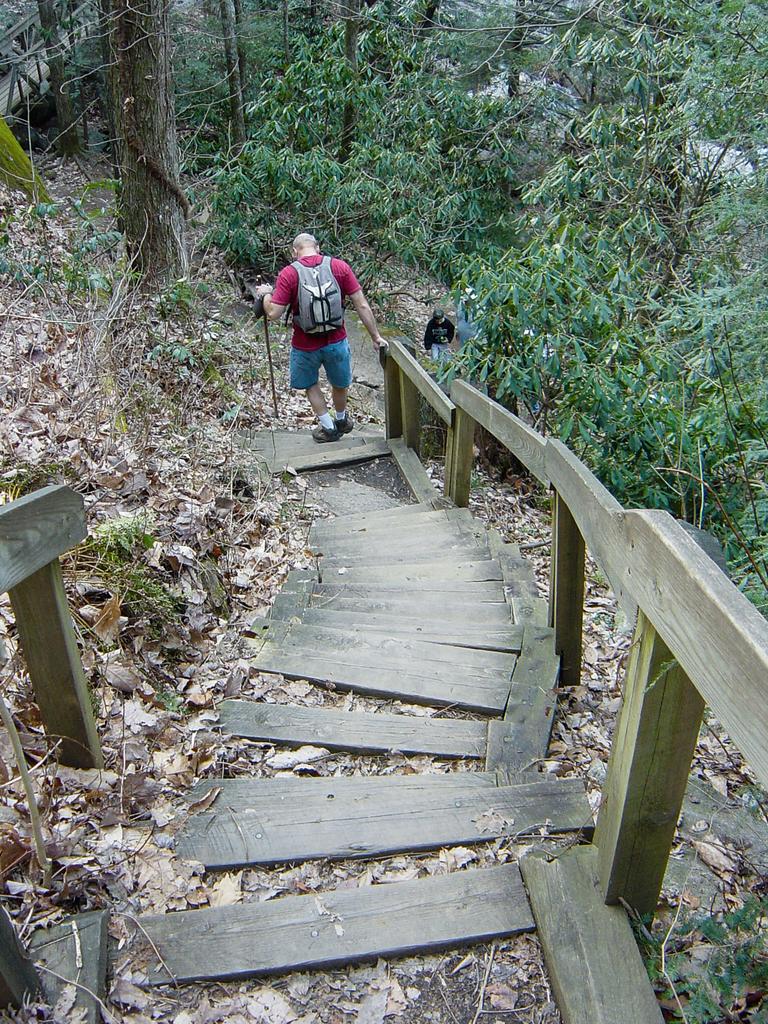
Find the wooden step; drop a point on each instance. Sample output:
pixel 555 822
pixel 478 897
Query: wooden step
pixel 379 679
pixel 348 642
pixel 273 827
pixel 235 794
pixel 474 637
pixel 383 516
pixel 428 609
pixel 74 952
pixel 389 521
pixel 331 929
pixel 419 547
pixel 402 532
pixel 279 449
pixel 467 571
pixel 425 608
pixel 427 556
pixel 356 732
pixel 472 593
pixel 413 670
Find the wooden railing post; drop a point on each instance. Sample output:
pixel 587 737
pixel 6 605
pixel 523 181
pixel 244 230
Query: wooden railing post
pixel 44 623
pixel 566 594
pixel 459 457
pixel 393 416
pixel 18 977
pixel 647 772
pixel 411 412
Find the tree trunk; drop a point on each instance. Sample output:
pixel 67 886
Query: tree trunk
pixel 514 45
pixel 286 40
pixel 351 33
pixel 67 141
pixel 428 18
pixel 241 64
pixel 236 116
pixel 152 205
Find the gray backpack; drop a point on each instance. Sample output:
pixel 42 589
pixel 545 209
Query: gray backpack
pixel 321 308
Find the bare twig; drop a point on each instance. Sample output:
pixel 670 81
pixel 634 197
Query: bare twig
pixel 34 813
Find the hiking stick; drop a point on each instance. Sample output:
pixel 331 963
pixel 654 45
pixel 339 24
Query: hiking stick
pixel 271 367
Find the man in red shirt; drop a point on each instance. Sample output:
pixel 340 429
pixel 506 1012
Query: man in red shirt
pixel 311 351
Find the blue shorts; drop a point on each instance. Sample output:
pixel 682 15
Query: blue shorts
pixel 336 358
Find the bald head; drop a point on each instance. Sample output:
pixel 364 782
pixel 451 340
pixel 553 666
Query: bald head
pixel 304 245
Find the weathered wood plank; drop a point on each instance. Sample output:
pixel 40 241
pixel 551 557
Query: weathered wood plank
pixel 594 964
pixel 333 928
pixel 521 739
pixel 275 828
pixel 18 977
pixel 331 456
pixel 446 634
pixel 651 755
pixel 393 414
pixel 36 529
pixel 383 679
pixel 566 595
pixel 406 573
pixel 596 513
pixel 237 794
pixel 75 952
pixel 410 409
pixel 345 641
pixel 719 638
pixel 426 608
pixel 389 518
pixel 412 470
pixel 525 444
pixel 402 538
pixel 473 592
pixel 278 443
pixel 354 731
pixel 411 368
pixel 396 553
pixel 460 454
pixel 47 637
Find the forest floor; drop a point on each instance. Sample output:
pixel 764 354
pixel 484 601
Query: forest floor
pixel 137 403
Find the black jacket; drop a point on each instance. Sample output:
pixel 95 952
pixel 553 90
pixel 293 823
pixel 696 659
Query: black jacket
pixel 438 333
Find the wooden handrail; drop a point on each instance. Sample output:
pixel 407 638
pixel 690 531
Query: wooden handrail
pixel 36 529
pixel 524 443
pixel 715 633
pixel 419 377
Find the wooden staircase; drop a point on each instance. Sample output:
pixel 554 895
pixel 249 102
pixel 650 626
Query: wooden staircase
pixel 420 605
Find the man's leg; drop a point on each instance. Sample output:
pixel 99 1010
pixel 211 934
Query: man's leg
pixel 337 360
pixel 304 376
pixel 317 400
pixel 339 400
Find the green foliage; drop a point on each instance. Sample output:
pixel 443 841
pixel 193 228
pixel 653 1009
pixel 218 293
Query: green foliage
pixel 82 266
pixel 116 539
pixel 631 319
pixel 115 550
pixel 414 186
pixel 711 967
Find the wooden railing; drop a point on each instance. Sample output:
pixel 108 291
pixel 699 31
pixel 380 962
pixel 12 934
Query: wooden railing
pixel 23 64
pixel 698 641
pixel 34 531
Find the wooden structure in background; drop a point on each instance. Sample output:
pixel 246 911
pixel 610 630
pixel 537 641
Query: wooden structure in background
pixel 23 65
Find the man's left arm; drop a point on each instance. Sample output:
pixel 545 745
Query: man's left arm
pixel 365 313
pixel 272 310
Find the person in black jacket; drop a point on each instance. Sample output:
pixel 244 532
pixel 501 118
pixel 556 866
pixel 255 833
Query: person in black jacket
pixel 438 336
